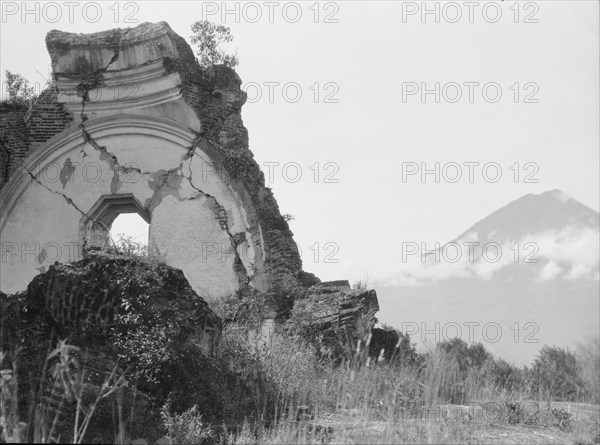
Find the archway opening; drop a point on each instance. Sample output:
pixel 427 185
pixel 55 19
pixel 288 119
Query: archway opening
pixel 119 221
pixel 129 232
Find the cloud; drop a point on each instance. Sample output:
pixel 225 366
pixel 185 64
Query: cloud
pixel 550 271
pixel 575 248
pixel 571 253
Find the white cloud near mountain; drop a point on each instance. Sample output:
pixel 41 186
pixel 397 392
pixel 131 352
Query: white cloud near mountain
pixel 570 253
pixel 550 271
pixel 574 248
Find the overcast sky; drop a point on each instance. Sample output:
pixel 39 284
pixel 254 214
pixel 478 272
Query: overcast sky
pixel 527 75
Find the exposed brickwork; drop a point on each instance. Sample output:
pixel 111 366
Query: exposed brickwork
pixel 13 139
pixel 23 128
pixel 46 118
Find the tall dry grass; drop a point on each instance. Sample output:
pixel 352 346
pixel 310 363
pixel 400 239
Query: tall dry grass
pixel 289 395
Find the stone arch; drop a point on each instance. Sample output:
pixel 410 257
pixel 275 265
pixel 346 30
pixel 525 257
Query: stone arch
pixel 177 197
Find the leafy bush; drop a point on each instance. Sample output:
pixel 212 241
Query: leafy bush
pixel 588 358
pixel 562 419
pixel 508 376
pixel 556 374
pixel 187 427
pixel 18 91
pixel 209 37
pixel 455 371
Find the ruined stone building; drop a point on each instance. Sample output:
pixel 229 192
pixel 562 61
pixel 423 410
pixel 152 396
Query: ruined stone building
pixel 132 124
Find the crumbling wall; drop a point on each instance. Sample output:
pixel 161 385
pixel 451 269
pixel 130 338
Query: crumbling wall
pixel 130 112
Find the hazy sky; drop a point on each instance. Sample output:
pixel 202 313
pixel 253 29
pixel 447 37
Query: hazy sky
pixel 347 105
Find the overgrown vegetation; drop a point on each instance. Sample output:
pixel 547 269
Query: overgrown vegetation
pixel 17 90
pixel 146 381
pixel 209 37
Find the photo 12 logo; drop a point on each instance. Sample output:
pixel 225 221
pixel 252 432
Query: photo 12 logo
pixel 292 172
pixel 477 411
pixel 476 332
pixel 470 92
pixel 270 12
pixel 470 12
pixel 472 251
pixel 23 252
pixel 469 171
pixel 292 92
pixel 105 93
pixel 70 12
pixel 316 252
pixel 71 172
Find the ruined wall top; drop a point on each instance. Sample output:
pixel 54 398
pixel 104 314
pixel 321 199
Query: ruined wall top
pixel 86 55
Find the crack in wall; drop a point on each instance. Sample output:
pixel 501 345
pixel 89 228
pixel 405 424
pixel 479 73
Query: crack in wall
pixel 159 180
pixel 164 176
pixel 66 198
pixel 221 216
pixel 116 52
pixel 105 155
pixel 172 179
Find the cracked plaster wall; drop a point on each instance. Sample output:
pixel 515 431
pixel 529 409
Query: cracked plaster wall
pixel 130 112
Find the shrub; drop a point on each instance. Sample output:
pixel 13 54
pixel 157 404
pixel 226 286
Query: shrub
pixel 209 37
pixel 588 358
pixel 18 90
pixel 507 376
pixel 187 427
pixel 556 374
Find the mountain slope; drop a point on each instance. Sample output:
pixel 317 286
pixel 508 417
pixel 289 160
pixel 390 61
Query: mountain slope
pixel 530 214
pixel 555 293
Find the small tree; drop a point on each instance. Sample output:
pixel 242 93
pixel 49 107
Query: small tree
pixel 508 376
pixel 18 91
pixel 557 373
pixel 208 37
pixel 588 356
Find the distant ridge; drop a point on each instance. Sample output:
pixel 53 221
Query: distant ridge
pixel 530 214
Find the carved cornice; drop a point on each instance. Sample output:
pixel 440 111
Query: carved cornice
pixel 121 91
